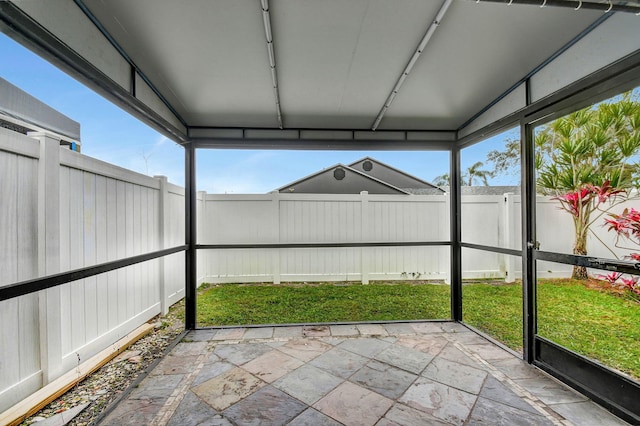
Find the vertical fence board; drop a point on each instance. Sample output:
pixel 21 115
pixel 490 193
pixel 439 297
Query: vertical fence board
pixel 27 245
pixel 111 220
pixel 102 280
pixel 9 367
pixel 65 260
pixel 76 256
pixel 121 248
pixel 89 245
pixel 129 244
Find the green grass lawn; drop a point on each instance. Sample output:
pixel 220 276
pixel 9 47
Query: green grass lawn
pixel 282 304
pixel 597 324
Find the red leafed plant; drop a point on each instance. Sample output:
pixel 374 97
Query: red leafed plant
pixel 627 227
pixel 587 204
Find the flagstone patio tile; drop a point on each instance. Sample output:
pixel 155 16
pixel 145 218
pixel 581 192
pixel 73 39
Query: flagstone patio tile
pixel 229 334
pixel 372 329
pixel 367 347
pixel 399 329
pixel 311 417
pixel 339 362
pixel 307 383
pixel 258 333
pixel 305 349
pixel 194 411
pixel 431 345
pixel 201 335
pixel 490 351
pixel 267 406
pixel 549 391
pixel 133 412
pixel 516 368
pixel 156 387
pixel 241 353
pixel 402 415
pixel 287 331
pixel 211 370
pixel 344 330
pixel 587 413
pixel 384 379
pixel 186 348
pixel 451 353
pixel 495 390
pixel 428 327
pixel 439 400
pixel 354 405
pixel 491 412
pixel 469 338
pixel 405 358
pixel 457 375
pixel 175 365
pixel 316 331
pixel 228 388
pixel 453 327
pixel 272 365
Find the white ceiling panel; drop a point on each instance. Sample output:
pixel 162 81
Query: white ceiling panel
pixel 208 58
pixel 476 54
pixel 337 61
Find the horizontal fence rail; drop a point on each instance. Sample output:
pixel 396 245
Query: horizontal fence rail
pixel 322 245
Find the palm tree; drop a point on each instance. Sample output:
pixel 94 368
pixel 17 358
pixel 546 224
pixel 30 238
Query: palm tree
pixel 588 158
pixel 475 173
pixel 442 180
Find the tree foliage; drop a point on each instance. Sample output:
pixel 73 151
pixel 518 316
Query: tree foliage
pixel 586 160
pixel 474 174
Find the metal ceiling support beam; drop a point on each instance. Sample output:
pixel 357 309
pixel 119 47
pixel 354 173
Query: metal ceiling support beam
pixel 266 19
pixel 319 139
pixel 609 6
pixel 22 28
pixel 324 145
pixel 414 58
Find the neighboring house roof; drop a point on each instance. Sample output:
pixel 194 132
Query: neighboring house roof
pixel 340 179
pixel 366 174
pixel 485 190
pixel 391 175
pixel 425 191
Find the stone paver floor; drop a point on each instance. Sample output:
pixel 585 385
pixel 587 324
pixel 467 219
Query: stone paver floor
pixel 432 373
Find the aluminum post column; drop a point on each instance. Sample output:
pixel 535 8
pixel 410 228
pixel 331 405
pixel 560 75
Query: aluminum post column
pixel 528 242
pixel 456 235
pixel 190 236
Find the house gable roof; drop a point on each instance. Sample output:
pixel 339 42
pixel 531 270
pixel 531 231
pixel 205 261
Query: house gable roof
pixel 340 179
pixel 391 175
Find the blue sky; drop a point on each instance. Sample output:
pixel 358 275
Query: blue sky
pixel 112 135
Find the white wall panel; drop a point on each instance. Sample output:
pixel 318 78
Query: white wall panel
pixel 67 22
pixel 511 103
pixel 150 99
pixel 604 45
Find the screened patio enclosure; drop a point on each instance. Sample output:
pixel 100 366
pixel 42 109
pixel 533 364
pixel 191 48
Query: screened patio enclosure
pixel 407 75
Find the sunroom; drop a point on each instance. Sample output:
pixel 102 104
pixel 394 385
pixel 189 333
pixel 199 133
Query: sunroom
pixel 359 75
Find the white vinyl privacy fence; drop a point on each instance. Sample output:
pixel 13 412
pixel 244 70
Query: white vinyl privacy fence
pixel 62 211
pixel 488 220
